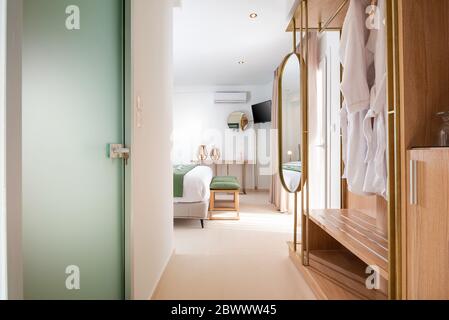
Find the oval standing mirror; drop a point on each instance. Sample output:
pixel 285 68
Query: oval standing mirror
pixel 290 123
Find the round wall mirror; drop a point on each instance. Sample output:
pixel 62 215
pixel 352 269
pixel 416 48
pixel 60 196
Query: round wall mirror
pixel 290 123
pixel 238 120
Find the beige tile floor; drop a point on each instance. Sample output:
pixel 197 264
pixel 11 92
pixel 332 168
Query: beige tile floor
pixel 238 260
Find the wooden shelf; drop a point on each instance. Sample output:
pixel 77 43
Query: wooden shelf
pixel 346 270
pixel 336 275
pixel 358 233
pixel 319 12
pixel 322 286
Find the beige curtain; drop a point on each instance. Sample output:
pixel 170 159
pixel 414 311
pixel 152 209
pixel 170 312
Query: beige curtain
pixel 279 197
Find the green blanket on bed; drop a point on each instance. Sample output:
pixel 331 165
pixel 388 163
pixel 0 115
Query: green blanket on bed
pixel 179 171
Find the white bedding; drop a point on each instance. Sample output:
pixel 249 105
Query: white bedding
pixel 292 179
pixel 196 185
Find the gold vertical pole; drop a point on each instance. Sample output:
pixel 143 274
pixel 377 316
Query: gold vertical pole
pixel 303 153
pixel 305 135
pixel 394 165
pixel 397 151
pixel 295 214
pixel 295 221
pixel 306 108
pixel 303 221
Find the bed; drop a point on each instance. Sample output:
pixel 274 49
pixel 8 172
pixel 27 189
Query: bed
pixel 292 174
pixel 192 202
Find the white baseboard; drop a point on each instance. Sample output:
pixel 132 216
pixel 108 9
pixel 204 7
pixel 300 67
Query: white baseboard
pixel 154 290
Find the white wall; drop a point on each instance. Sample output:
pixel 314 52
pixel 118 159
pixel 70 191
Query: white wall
pixel 152 179
pixel 3 294
pixel 198 120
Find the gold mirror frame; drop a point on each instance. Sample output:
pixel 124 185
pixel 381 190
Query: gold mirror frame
pixel 280 118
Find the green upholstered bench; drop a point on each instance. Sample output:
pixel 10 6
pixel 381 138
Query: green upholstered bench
pixel 224 185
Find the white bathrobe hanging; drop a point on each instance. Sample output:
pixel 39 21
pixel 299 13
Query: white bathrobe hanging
pixel 355 87
pixel 374 125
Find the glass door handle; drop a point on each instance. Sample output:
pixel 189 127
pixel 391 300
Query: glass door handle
pixel 119 151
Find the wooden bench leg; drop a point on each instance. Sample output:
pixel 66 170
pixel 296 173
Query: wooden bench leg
pixel 237 201
pixel 212 201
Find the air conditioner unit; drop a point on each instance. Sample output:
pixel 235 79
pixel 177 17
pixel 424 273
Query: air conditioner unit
pixel 231 97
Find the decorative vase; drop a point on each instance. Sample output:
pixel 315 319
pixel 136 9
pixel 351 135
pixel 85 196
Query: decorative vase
pixel 202 153
pixel 215 154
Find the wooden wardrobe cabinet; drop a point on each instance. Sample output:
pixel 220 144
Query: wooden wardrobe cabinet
pixel 427 224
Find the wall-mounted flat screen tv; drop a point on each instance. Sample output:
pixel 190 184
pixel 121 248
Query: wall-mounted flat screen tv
pixel 262 112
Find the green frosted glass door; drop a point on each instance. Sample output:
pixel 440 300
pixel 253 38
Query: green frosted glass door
pixel 73 107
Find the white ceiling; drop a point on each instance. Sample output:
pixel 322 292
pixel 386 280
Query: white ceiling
pixel 212 36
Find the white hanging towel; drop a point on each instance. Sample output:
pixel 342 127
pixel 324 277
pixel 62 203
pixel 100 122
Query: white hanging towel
pixel 374 125
pixel 355 87
pixel 355 149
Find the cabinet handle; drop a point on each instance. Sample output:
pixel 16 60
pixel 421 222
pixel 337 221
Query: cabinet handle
pixel 413 182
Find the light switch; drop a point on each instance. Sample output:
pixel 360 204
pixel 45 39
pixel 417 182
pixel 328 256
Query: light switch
pixel 139 103
pixel 139 112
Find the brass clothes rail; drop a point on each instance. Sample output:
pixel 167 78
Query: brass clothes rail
pixel 332 18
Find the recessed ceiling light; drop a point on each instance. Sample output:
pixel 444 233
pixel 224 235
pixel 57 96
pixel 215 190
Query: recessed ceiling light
pixel 241 62
pixel 253 15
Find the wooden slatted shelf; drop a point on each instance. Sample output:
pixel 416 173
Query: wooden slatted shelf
pixel 358 233
pixel 322 286
pixel 346 270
